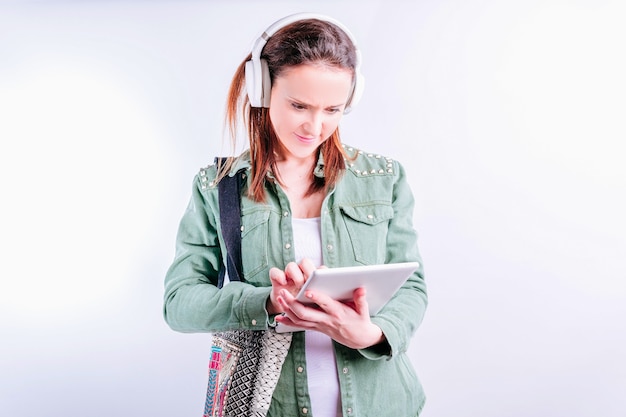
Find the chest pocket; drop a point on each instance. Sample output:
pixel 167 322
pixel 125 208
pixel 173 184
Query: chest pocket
pixel 254 243
pixel 367 226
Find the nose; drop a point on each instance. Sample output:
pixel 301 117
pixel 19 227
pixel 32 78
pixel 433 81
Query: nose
pixel 314 124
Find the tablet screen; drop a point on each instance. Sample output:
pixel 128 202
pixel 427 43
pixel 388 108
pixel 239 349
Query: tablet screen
pixel 380 281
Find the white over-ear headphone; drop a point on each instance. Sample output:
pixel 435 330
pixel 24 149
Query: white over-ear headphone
pixel 258 82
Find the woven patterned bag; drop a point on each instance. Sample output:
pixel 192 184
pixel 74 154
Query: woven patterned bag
pixel 244 369
pixel 245 364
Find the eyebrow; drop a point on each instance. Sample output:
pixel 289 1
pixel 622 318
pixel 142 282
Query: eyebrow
pixel 308 104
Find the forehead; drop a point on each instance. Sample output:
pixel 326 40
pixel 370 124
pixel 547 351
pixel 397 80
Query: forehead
pixel 314 84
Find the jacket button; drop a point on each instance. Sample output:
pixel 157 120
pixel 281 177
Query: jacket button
pixel 305 410
pixel 287 245
pixel 300 369
pixel 329 247
pixel 253 322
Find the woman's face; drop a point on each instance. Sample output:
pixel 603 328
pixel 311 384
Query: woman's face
pixel 306 105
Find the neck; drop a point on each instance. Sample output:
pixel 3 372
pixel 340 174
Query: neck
pixel 295 172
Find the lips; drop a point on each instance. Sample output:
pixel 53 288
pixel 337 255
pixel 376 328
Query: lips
pixel 305 139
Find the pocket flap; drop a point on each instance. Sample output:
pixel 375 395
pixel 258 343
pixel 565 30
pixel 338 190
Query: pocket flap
pixel 369 214
pixel 252 220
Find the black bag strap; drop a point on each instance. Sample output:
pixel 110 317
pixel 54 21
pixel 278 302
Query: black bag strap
pixel 229 189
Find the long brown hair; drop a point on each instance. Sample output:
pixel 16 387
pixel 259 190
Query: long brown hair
pixel 309 41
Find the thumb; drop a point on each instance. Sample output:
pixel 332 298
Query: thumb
pixel 360 302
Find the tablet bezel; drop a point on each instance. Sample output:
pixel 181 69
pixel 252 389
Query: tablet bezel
pixel 381 282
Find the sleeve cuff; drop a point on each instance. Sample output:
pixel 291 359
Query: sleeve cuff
pixel 254 314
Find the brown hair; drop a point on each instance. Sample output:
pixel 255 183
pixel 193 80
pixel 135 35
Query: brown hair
pixel 309 41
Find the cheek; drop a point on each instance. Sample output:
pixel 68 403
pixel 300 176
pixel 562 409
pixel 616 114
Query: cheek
pixel 274 117
pixel 331 125
pixel 283 120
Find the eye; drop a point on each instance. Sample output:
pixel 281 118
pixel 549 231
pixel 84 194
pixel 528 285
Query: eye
pixel 298 106
pixel 333 110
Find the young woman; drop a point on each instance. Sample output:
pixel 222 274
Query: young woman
pixel 308 200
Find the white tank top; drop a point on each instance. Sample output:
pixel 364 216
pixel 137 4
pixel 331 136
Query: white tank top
pixel 320 355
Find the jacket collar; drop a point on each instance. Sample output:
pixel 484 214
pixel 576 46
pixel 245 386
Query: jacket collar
pixel 243 162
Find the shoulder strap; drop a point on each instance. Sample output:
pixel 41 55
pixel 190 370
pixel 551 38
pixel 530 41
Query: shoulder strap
pixel 229 189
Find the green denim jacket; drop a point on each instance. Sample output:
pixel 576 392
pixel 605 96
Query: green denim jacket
pixel 365 219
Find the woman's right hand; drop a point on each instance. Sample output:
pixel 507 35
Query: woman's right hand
pixel 291 279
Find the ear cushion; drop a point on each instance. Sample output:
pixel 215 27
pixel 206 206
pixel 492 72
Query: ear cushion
pixel 253 84
pixel 258 83
pixel 266 86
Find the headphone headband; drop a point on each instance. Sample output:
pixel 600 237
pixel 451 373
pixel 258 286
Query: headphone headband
pixel 258 80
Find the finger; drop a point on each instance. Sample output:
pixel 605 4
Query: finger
pixel 287 320
pixel 297 307
pixel 307 267
pixel 301 314
pixel 294 273
pixel 290 306
pixel 360 302
pixel 286 297
pixel 321 301
pixel 277 276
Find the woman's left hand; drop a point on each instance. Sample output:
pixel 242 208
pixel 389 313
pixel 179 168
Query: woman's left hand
pixel 346 322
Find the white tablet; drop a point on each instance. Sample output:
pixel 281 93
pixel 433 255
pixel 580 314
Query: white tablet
pixel 380 281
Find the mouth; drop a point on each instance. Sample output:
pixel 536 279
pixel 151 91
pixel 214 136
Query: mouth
pixel 305 139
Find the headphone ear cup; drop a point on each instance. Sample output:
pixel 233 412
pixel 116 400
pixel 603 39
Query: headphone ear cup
pixel 252 86
pixel 258 83
pixel 266 85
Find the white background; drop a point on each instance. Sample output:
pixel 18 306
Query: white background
pixel 508 115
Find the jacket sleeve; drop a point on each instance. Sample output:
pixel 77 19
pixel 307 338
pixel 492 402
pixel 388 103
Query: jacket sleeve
pixel 192 301
pixel 402 315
